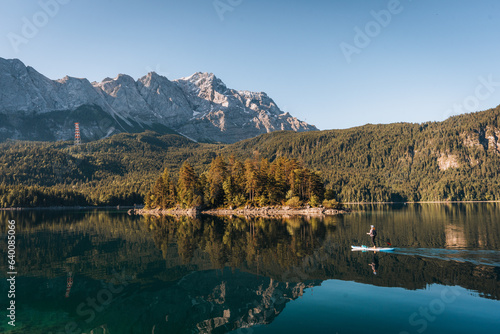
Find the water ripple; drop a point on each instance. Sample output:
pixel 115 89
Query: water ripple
pixel 477 257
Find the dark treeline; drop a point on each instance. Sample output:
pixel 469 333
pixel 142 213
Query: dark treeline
pixel 37 196
pixel 114 171
pixel 22 196
pixel 233 183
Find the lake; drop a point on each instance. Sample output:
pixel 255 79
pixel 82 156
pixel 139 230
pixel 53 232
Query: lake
pixel 107 272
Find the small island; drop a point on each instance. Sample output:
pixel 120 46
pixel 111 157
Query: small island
pixel 247 212
pixel 254 187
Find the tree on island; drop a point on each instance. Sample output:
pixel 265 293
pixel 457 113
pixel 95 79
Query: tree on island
pixel 232 183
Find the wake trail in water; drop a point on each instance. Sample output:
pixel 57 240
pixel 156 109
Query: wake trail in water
pixel 478 257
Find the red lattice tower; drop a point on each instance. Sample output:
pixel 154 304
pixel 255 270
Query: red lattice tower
pixel 78 140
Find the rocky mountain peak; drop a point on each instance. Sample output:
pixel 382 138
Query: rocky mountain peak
pixel 11 64
pixel 124 79
pixel 111 86
pixel 74 81
pixel 153 77
pixel 159 83
pixel 200 106
pixel 204 81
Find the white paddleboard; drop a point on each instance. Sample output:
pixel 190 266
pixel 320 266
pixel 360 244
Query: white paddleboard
pixel 377 249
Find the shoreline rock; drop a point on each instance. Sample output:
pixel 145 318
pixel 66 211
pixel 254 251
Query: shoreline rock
pixel 191 212
pixel 265 212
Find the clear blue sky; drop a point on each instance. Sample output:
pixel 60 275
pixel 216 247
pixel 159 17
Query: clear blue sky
pixel 428 57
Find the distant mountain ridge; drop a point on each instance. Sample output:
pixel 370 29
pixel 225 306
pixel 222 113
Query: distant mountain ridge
pixel 200 107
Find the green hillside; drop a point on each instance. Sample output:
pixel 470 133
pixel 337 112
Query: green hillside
pixel 457 159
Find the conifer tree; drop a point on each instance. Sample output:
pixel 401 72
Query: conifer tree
pixel 188 186
pixel 216 175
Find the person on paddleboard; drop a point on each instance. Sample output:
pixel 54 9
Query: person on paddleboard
pixel 373 235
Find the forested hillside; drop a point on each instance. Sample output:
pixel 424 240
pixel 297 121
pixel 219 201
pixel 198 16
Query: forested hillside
pixel 458 159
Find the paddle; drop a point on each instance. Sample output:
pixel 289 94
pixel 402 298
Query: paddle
pixel 389 243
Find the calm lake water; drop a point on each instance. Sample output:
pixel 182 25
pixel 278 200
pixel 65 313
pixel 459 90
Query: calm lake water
pixel 107 272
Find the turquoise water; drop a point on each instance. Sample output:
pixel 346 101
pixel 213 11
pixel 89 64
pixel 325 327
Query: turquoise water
pixel 349 307
pixel 108 272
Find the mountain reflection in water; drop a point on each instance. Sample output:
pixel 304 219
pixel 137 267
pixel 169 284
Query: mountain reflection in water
pixel 214 275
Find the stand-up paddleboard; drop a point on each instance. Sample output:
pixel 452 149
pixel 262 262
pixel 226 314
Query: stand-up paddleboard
pixel 376 249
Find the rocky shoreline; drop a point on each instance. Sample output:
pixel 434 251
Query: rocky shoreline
pixel 265 212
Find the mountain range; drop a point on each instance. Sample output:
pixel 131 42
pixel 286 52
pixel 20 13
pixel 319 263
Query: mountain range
pixel 200 107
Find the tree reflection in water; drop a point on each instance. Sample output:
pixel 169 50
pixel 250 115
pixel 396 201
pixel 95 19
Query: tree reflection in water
pixel 215 274
pixel 256 244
